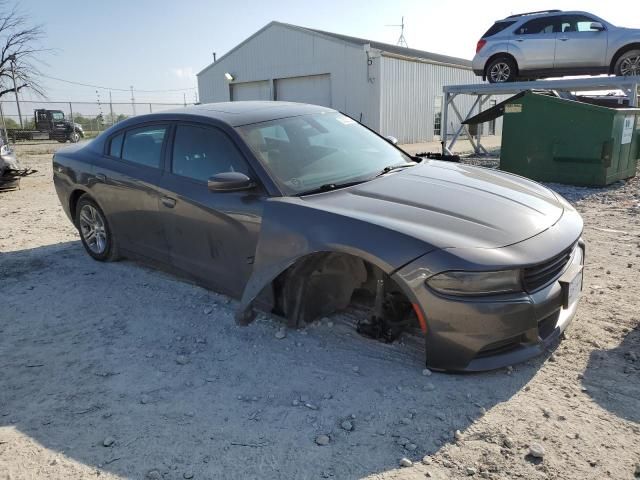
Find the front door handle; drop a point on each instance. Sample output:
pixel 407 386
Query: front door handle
pixel 168 202
pixel 563 39
pixel 519 39
pixel 101 177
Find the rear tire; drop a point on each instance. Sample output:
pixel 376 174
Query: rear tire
pixel 628 64
pixel 501 70
pixel 95 232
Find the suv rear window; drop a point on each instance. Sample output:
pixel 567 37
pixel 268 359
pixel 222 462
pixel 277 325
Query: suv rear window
pixel 497 28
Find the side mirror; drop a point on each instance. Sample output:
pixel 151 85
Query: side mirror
pixel 597 26
pixel 392 140
pixel 230 182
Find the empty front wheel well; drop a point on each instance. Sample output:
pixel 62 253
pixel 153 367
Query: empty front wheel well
pixel 323 283
pixel 620 52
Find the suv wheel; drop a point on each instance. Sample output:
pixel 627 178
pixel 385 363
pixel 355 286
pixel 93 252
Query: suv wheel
pixel 74 137
pixel 501 69
pixel 95 232
pixel 628 64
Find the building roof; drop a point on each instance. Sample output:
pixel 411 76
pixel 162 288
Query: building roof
pixel 384 47
pixel 395 49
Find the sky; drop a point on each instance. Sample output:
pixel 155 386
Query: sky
pixel 161 45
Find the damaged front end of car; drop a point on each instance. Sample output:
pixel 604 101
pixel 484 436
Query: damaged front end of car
pixel 304 272
pixel 10 170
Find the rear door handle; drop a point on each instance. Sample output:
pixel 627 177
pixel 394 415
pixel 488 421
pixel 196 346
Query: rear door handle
pixel 519 39
pixel 101 177
pixel 168 202
pixel 563 39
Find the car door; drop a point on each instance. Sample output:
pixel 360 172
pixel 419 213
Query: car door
pixel 212 236
pixel 534 44
pixel 126 187
pixel 579 45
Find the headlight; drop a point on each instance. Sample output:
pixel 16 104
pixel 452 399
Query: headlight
pixel 5 150
pixel 476 283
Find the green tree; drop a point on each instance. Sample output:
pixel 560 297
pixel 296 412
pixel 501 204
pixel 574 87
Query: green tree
pixel 11 123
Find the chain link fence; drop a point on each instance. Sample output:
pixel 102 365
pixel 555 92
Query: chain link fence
pixel 94 117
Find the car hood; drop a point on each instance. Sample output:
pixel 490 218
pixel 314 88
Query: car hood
pixel 448 205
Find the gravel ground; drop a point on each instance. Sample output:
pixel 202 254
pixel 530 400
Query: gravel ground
pixel 120 371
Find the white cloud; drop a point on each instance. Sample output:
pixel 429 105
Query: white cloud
pixel 183 72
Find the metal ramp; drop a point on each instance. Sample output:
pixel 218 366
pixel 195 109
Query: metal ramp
pixel 484 91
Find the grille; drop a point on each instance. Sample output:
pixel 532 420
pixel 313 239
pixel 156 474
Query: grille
pixel 544 273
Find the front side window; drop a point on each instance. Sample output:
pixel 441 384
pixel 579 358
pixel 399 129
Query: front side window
pixel 539 26
pixel 144 145
pixel 577 23
pixel 306 152
pixel 202 152
pixel 57 116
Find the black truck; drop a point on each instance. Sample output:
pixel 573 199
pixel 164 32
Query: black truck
pixel 50 125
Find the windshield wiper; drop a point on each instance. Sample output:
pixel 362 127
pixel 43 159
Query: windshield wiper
pixel 389 168
pixel 334 186
pixel 330 186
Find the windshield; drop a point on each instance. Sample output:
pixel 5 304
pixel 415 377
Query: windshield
pixel 306 152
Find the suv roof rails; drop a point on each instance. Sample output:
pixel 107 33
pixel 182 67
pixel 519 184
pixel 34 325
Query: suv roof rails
pixel 533 13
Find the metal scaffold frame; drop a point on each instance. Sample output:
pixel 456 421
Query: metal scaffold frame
pixel 484 91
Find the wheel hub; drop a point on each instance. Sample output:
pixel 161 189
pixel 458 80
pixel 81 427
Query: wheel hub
pixel 92 229
pixel 630 66
pixel 500 72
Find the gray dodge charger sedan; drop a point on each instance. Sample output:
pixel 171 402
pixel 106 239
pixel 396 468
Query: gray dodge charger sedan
pixel 301 211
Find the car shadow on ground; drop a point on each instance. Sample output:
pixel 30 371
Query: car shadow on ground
pixel 612 377
pixel 155 368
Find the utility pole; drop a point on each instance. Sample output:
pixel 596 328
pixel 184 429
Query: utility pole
pixel 133 100
pixel 12 60
pixel 4 126
pixel 113 120
pixel 184 98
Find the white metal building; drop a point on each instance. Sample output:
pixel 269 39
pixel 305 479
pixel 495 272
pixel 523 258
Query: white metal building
pixel 393 90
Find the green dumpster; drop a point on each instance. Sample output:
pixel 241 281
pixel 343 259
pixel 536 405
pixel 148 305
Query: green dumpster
pixel 551 139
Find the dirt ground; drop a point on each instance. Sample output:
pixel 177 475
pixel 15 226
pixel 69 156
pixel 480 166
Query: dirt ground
pixel 119 371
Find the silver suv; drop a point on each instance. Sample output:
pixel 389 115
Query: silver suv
pixel 553 43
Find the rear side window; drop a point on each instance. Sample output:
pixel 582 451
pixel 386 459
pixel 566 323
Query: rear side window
pixel 202 152
pixel 539 26
pixel 144 145
pixel 497 28
pixel 115 146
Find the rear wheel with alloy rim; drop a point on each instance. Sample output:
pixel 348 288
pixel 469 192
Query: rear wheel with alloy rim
pixel 95 233
pixel 500 70
pixel 628 64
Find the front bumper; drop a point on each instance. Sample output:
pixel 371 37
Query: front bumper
pixel 488 332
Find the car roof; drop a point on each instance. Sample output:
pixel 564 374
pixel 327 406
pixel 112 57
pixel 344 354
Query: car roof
pixel 241 112
pixel 550 13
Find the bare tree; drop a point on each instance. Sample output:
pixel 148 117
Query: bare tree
pixel 19 50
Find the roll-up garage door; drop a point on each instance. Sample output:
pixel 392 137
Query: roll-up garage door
pixel 314 89
pixel 250 91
